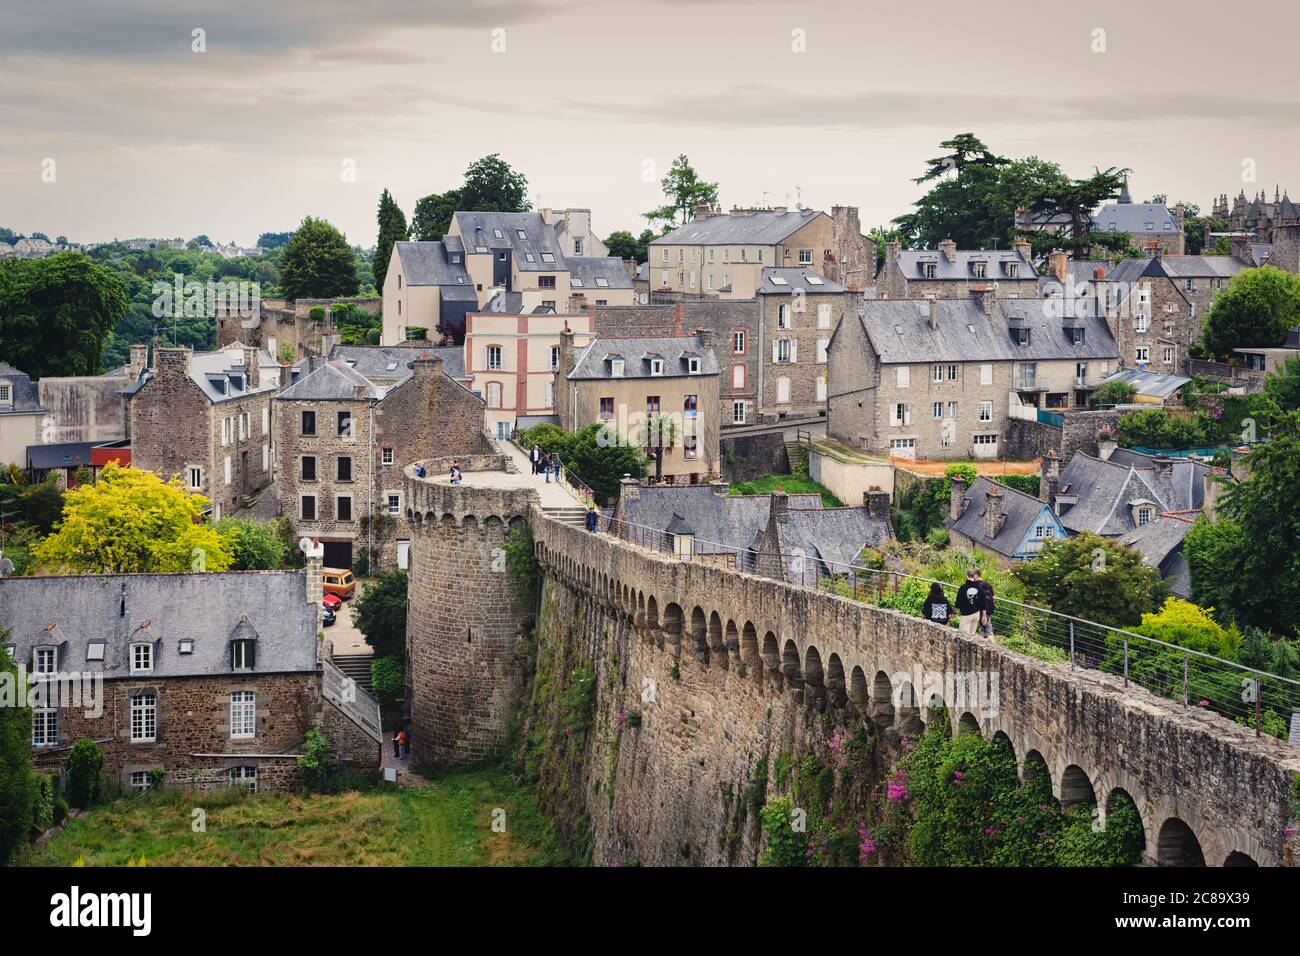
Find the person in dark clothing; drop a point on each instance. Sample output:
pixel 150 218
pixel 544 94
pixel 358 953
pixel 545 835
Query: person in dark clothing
pixel 986 622
pixel 536 457
pixel 593 519
pixel 936 607
pixel 970 603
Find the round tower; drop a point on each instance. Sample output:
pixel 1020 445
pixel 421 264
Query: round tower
pixel 464 621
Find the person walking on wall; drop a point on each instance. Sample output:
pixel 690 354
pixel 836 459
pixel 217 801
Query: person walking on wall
pixel 936 607
pixel 536 457
pixel 970 603
pixel 986 622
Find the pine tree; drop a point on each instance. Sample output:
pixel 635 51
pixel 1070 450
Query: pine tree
pixel 392 228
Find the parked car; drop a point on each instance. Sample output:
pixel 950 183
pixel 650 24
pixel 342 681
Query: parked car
pixel 339 581
pixel 332 601
pixel 328 615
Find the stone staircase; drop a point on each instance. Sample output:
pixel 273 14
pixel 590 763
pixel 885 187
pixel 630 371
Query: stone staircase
pixel 576 515
pixel 357 667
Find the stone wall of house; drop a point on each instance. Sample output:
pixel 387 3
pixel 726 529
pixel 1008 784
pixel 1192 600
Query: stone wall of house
pixel 1031 439
pixel 465 619
pixel 83 408
pixel 854 266
pixel 745 457
pixel 1080 430
pixel 808 330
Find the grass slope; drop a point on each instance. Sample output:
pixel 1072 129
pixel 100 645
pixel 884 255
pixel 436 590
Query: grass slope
pixel 446 824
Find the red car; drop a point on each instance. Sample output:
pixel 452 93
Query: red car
pixel 332 601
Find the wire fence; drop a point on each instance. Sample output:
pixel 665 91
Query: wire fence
pixel 1267 703
pixel 564 473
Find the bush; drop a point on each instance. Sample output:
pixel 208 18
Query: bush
pixel 387 679
pixel 43 805
pixel 85 761
pixel 317 761
pixel 1114 393
pixel 380 614
pixel 17 784
pixel 254 545
pixel 1028 484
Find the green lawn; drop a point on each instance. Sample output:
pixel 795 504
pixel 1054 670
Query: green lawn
pixel 790 484
pixel 446 824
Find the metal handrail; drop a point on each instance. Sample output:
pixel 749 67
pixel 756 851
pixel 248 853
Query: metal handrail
pixel 744 561
pixel 567 474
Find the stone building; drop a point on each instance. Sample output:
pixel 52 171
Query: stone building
pixel 21 415
pixel 952 273
pixel 1001 521
pixel 206 417
pixel 1270 230
pixel 344 440
pixel 798 311
pixel 208 680
pixel 1151 227
pixel 659 394
pixel 724 254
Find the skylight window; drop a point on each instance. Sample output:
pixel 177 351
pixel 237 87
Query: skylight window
pixel 186 646
pixel 814 280
pixel 575 282
pixel 480 249
pixel 521 234
pixel 95 651
pixel 529 256
pixel 602 282
pixel 548 257
pixel 391 366
pixel 498 234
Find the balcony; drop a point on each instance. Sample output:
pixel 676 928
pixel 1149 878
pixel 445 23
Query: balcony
pixel 1027 383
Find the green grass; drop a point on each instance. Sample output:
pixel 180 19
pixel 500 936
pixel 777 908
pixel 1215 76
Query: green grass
pixel 790 484
pixel 446 824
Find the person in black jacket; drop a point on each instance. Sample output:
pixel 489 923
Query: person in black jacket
pixel 936 607
pixel 986 622
pixel 970 603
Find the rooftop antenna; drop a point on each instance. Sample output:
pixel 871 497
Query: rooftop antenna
pixel 798 196
pixel 764 198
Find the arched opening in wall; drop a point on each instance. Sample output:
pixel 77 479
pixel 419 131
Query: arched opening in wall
pixel 732 637
pixel 836 690
pixel 1236 858
pixel 447 523
pixel 858 688
pixel 651 612
pixel 673 620
pixel 494 529
pixel 812 667
pixel 699 634
pixel 935 713
pixel 716 640
pixel 907 709
pixel 430 520
pixel 640 607
pixel 415 518
pixel 1035 774
pixel 1076 788
pixel 771 656
pixel 969 725
pixel 790 664
pixel 882 700
pixel 470 524
pixel 1177 845
pixel 1003 743
pixel 1122 811
pixel 518 523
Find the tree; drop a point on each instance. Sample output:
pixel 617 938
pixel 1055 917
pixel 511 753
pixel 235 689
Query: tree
pixel 598 456
pixel 273 240
pixel 380 614
pixel 253 545
pixel 392 228
pixel 318 263
pixel 658 435
pixel 1093 578
pixel 1074 201
pixel 1283 386
pixel 56 312
pixel 960 204
pixel 492 186
pixel 1257 309
pixel 85 761
pixel 1212 549
pixel 131 521
pixel 1114 393
pixel 432 215
pixel 624 245
pixel 684 190
pixel 17 783
pixel 317 761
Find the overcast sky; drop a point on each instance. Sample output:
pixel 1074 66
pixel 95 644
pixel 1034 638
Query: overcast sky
pixel 150 138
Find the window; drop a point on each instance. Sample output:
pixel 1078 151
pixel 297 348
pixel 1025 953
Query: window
pixel 245 777
pixel 555 357
pixel 140 780
pixel 1042 531
pixel 738 341
pixel 548 257
pixel 693 365
pixel 823 316
pixel 952 373
pixel 652 404
pixel 690 446
pixel 952 409
pixel 546 282
pixel 737 413
pixel 900 414
pixel 938 373
pixel 243 425
pixel 343 508
pixel 307 508
pixel 656 366
pixel 386 457
pixel 607 407
pixel 308 423
pixel 822 345
pixel 1144 516
pixel 1142 354
pixel 308 467
pixel 979 269
pixel 1020 336
pixel 783 316
pixel 903 446
pixel 95 651
pixel 345 424
pixel 986 411
pixel 343 468
pixel 577 246
pixel 902 376
pixel 497 233
pixel 241 655
pixel 494 357
pixel 664 258
pixel 938 409
pixel 690 406
pixel 783 350
pixel 196 478
pixel 494 394
pixel 1013 270
pixel 805 257
pixel 1080 372
pixel 1140 322
pixel 1169 355
pixel 185 646
pixel 243 714
pixel 1076 336
pixel 4 393
pixel 45 727
pixel 503 431
pixel 616 368
pixel 986 374
pixel 225 431
pixel 141 658
pixel 929 269
pixel 986 439
pixel 144 717
pixel 737 376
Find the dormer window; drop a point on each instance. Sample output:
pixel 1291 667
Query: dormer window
pixel 1013 270
pixel 44 660
pixel 6 394
pixel 241 655
pixel 1020 336
pixel 656 366
pixel 1076 336
pixel 929 269
pixel 693 365
pixel 455 258
pixel 616 367
pixel 979 269
pixel 141 658
pixel 95 651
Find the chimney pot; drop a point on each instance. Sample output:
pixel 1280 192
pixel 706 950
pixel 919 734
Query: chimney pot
pixel 994 517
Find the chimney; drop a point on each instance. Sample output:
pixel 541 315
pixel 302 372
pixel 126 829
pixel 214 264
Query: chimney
pixel 1049 478
pixel 1241 248
pixel 173 363
pixel 1025 249
pixel 949 249
pixel 994 517
pixel 139 361
pixel 1058 264
pixel 1106 446
pixel 721 488
pixel 1164 465
pixel 705 337
pixel 957 499
pixel 876 503
pixel 252 367
pixel 315 586
pixel 983 296
pixel 629 488
pixel 424 367
pixel 780 506
pixel 934 313
pixel 703 211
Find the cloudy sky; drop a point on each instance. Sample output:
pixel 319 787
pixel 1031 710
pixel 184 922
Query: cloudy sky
pixel 827 101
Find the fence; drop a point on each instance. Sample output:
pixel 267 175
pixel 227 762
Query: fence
pixel 565 474
pixel 342 691
pixel 1249 696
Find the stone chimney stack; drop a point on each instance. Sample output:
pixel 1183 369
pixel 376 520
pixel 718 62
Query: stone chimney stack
pixel 252 367
pixel 1241 247
pixel 934 313
pixel 1049 478
pixel 1025 249
pixel 780 506
pixel 425 367
pixel 876 502
pixel 1164 465
pixel 994 516
pixel 949 249
pixel 315 583
pixel 703 211
pixel 893 249
pixel 705 338
pixel 139 361
pixel 1058 265
pixel 172 363
pixel 721 488
pixel 983 296
pixel 957 499
pixel 629 488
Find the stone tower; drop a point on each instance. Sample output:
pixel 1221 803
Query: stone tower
pixel 464 619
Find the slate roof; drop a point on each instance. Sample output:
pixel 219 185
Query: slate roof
pixel 388 364
pixel 720 522
pixel 503 303
pixel 784 281
pixel 747 228
pixel 899 330
pixel 26 393
pixel 587 272
pixel 1107 490
pixel 1133 217
pixel 332 382
pixel 962 266
pixel 207 369
pixel 426 263
pixel 1021 511
pixel 1048 338
pixel 60 455
pixel 1161 545
pixel 71 611
pixel 593 361
pixel 831 536
pixel 478 229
